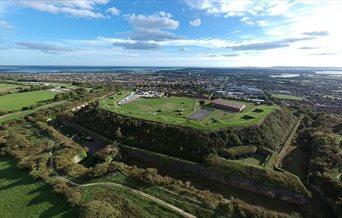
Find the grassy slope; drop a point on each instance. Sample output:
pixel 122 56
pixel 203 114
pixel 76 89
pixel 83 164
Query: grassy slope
pixel 147 109
pixel 131 205
pixel 23 196
pixel 5 86
pixel 17 101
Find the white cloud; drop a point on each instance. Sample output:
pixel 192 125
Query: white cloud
pixel 195 23
pixel 113 11
pixel 76 8
pixel 161 20
pixel 5 25
pixel 152 27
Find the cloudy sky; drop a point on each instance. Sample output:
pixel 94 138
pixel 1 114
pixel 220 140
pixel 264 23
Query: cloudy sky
pixel 216 33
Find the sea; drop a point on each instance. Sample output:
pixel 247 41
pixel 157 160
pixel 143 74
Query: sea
pixel 75 69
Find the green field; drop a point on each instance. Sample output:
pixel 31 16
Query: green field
pixel 21 114
pixel 15 102
pixel 165 110
pixel 6 86
pixel 22 196
pixel 288 97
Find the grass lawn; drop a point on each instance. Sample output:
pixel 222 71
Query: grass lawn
pixel 165 110
pixel 22 196
pixel 6 86
pixel 288 97
pixel 15 102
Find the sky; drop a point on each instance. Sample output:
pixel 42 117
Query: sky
pixel 194 33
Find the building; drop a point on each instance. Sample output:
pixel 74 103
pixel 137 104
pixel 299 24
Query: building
pixel 228 105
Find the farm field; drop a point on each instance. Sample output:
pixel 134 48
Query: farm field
pixel 165 110
pixel 20 114
pixel 6 86
pixel 15 102
pixel 288 97
pixel 23 196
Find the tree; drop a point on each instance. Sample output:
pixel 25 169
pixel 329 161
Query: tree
pixel 118 133
pixel 98 209
pixel 99 170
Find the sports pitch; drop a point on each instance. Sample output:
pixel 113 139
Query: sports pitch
pixel 288 97
pixel 15 102
pixel 166 110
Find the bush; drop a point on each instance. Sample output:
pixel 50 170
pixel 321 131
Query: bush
pixel 239 151
pixel 99 170
pixel 72 194
pixel 98 209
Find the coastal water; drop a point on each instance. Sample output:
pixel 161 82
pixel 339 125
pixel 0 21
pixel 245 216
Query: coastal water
pixel 57 69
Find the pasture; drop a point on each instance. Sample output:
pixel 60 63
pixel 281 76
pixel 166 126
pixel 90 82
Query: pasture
pixel 23 196
pixel 15 102
pixel 7 86
pixel 176 110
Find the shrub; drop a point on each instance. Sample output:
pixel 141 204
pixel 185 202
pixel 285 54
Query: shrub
pixel 98 209
pixel 99 170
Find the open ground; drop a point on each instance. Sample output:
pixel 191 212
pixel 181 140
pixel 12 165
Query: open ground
pixel 166 110
pixel 15 102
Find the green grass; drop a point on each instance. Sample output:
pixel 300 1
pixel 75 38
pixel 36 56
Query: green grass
pixel 6 86
pixel 21 114
pixel 288 97
pixel 15 102
pixel 256 160
pixel 165 110
pixel 129 204
pixel 22 196
pixel 180 200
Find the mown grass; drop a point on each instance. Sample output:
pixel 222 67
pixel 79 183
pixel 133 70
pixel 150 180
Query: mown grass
pixel 17 101
pixel 165 110
pixel 288 97
pixel 22 196
pixel 6 86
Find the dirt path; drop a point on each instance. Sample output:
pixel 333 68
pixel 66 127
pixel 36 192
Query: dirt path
pixel 132 190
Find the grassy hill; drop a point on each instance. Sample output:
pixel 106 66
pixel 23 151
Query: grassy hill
pixel 165 110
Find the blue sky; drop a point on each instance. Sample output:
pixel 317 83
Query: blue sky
pixel 215 33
